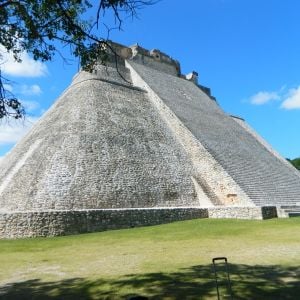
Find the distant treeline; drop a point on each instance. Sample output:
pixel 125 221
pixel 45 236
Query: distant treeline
pixel 295 162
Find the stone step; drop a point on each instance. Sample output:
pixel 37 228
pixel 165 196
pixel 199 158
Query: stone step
pixel 291 210
pixel 290 207
pixel 294 214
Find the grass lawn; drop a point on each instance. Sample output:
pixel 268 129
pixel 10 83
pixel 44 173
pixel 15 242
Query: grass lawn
pixel 170 261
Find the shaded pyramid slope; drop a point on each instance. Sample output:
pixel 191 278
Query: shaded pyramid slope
pixel 265 178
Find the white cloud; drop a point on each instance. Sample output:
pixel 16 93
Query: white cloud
pixel 292 100
pixel 264 97
pixel 27 68
pixel 30 90
pixel 30 106
pixel 11 131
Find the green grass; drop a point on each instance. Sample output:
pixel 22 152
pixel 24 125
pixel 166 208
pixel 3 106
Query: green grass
pixel 170 261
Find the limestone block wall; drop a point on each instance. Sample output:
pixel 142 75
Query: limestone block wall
pixel 264 178
pixel 157 65
pixel 66 222
pixel 255 213
pixel 155 59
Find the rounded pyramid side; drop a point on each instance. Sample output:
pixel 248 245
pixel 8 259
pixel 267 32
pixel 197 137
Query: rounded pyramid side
pixel 101 145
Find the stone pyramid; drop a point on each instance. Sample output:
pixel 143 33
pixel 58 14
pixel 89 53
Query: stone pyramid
pixel 138 143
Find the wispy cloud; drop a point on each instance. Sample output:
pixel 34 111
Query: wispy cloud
pixel 289 99
pixel 30 90
pixel 27 68
pixel 12 131
pixel 292 100
pixel 31 106
pixel 264 97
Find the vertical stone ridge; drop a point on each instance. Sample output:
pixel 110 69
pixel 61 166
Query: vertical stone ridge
pixel 7 180
pixel 205 194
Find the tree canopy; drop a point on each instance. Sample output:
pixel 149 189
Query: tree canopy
pixel 295 162
pixel 38 26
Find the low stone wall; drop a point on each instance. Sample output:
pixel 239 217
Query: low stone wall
pixel 236 212
pixel 53 223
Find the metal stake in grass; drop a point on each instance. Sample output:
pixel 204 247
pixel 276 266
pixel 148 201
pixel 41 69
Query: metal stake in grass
pixel 227 273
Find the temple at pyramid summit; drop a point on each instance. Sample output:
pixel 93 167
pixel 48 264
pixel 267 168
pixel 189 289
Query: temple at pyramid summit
pixel 134 143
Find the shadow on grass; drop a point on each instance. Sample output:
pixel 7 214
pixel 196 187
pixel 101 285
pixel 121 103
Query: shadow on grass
pixel 248 282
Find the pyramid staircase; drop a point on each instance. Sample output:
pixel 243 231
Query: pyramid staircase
pixel 291 210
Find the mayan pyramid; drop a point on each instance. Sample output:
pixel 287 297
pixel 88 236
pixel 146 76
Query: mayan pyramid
pixel 135 142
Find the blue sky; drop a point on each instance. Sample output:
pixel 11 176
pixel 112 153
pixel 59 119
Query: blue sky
pixel 246 51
